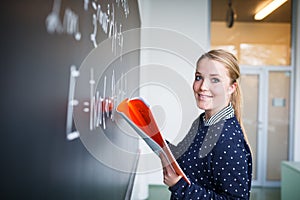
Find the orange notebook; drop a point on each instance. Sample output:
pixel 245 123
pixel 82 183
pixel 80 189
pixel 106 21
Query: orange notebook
pixel 138 114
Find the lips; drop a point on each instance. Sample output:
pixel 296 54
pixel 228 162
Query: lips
pixel 203 96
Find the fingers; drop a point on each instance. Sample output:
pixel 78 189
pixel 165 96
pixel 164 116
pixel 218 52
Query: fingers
pixel 162 156
pixel 170 176
pixel 167 169
pixel 165 173
pixel 164 160
pixel 165 164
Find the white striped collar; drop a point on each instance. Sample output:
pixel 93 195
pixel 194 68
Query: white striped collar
pixel 225 113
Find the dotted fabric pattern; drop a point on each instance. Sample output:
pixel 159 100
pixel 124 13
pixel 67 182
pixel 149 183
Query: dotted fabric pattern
pixel 217 161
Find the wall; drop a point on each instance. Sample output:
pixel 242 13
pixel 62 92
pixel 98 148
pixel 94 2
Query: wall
pixel 167 71
pixel 249 42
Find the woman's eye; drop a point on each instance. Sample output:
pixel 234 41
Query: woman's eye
pixel 198 78
pixel 215 80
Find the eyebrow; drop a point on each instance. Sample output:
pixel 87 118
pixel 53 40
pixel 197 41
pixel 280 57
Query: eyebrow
pixel 209 74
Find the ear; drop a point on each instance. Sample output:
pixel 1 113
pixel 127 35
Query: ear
pixel 232 88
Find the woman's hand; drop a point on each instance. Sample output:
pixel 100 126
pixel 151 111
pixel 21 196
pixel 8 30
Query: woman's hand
pixel 170 177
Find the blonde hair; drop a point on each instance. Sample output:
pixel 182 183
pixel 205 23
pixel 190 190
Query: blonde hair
pixel 231 64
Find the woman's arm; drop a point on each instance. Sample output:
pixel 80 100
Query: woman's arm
pixel 181 189
pixel 231 166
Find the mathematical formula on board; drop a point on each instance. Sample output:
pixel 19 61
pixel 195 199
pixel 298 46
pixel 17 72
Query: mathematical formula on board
pixel 100 106
pixel 104 19
pixel 101 103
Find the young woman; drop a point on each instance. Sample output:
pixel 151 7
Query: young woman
pixel 215 154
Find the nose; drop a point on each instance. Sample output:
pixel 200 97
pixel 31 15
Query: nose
pixel 201 85
pixel 204 84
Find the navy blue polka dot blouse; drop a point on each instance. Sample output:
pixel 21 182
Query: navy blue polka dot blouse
pixel 216 159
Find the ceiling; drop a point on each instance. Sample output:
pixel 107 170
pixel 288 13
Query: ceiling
pixel 245 10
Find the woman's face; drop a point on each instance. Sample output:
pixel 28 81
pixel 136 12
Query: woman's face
pixel 212 86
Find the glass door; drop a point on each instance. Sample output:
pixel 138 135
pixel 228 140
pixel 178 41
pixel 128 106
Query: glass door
pixel 266 109
pixel 278 123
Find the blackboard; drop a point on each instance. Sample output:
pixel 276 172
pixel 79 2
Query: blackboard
pixel 37 159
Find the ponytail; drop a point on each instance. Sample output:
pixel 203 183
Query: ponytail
pixel 237 104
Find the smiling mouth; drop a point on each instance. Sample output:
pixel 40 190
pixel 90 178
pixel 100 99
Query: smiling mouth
pixel 203 96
